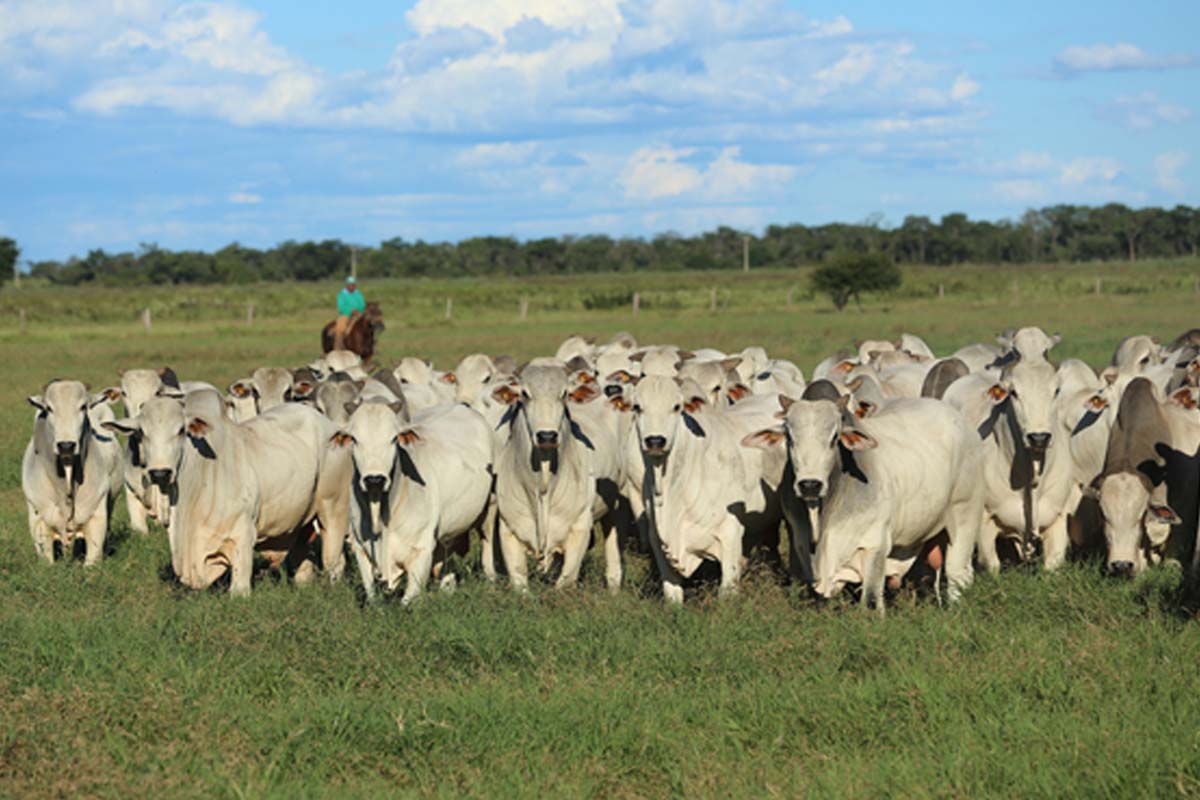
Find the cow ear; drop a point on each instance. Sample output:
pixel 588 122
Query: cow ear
pixel 37 402
pixel 173 392
pixel 127 427
pixel 1184 398
pixel 341 439
pixel 99 398
pixel 113 393
pixel 621 376
pixel 397 406
pixel 198 427
pixel 998 393
pixel 1161 512
pixel 350 407
pixel 737 392
pixel 1096 403
pixel 405 438
pixel 844 366
pixel 240 389
pixel 685 355
pixel 505 395
pixel 764 439
pixel 694 404
pixel 1109 375
pixel 731 363
pixel 619 403
pixel 449 377
pixel 637 357
pixel 842 402
pixel 865 408
pixel 853 439
pixel 584 393
pixel 785 403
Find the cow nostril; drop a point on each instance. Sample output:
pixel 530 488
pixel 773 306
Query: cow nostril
pixel 65 448
pixel 374 481
pixel 656 442
pixel 809 489
pixel 612 390
pixel 547 437
pixel 1123 569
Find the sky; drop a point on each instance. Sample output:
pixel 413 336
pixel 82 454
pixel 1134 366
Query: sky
pixel 193 125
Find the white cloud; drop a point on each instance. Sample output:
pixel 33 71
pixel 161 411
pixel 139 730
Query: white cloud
pixel 1114 57
pixel 245 198
pixel 1166 171
pixel 964 87
pixel 1083 170
pixel 1144 111
pixel 490 154
pixel 655 172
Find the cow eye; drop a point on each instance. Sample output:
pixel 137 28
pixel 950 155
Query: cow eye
pixel 678 407
pixel 83 407
pixel 762 376
pixel 637 409
pixel 487 378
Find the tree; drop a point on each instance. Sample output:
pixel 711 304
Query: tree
pixel 9 253
pixel 848 275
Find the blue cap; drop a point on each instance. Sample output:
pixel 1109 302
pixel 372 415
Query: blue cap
pixel 351 279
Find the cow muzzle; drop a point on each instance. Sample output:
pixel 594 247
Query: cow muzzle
pixel 161 478
pixel 374 486
pixel 1038 442
pixel 655 445
pixel 547 440
pixel 1120 569
pixel 810 491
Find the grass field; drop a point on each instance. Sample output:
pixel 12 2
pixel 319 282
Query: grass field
pixel 115 682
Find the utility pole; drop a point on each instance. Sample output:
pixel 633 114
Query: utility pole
pixel 745 253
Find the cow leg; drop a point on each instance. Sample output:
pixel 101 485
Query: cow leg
pixel 613 569
pixel 418 566
pixel 137 512
pixel 487 550
pixel 335 527
pixel 730 539
pixel 242 560
pixel 672 581
pixel 43 541
pixel 366 572
pixel 514 559
pixel 874 574
pixel 962 533
pixel 986 546
pixel 95 531
pixel 574 550
pixel 1055 540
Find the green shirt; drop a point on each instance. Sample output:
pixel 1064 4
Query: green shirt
pixel 350 301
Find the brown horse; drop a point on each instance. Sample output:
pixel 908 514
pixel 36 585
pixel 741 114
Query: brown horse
pixel 360 337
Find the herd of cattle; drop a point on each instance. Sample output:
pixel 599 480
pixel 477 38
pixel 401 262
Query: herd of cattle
pixel 888 459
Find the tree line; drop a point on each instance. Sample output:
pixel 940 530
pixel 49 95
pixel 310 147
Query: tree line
pixel 1060 233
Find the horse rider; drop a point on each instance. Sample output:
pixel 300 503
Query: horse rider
pixel 350 303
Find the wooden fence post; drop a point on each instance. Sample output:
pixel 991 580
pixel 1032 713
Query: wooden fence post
pixel 524 312
pixel 1016 292
pixel 791 292
pixel 941 291
pixel 637 303
pixel 249 314
pixel 712 300
pixel 146 319
pixel 1097 287
pixel 21 321
pixel 449 307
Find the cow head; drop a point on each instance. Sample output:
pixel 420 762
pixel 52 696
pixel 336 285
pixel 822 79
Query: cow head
pixel 63 410
pixel 377 436
pixel 542 408
pixel 472 379
pixel 1135 516
pixel 820 437
pixel 271 386
pixel 1027 393
pixel 662 413
pixel 138 386
pixel 160 431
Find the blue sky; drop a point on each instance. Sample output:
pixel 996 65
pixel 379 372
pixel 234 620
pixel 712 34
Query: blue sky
pixel 197 124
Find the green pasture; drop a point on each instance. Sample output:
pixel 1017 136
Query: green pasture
pixel 114 682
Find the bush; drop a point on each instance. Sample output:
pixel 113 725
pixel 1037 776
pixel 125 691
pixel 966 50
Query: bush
pixel 849 274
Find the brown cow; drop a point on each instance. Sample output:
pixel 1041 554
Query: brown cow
pixel 360 337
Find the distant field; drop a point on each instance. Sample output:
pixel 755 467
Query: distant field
pixel 114 682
